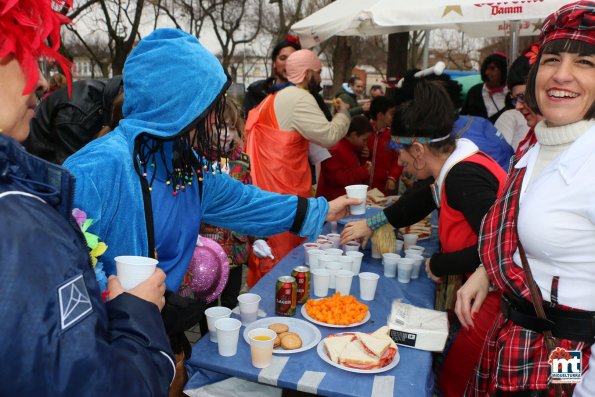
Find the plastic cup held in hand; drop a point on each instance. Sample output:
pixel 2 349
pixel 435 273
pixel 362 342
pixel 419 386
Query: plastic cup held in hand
pixel 213 314
pixel 417 261
pixel 405 268
pixel 321 279
pixel 228 332
pixel 409 240
pixel 357 192
pixel 367 285
pixel 133 270
pixel 389 260
pixel 357 260
pixel 262 341
pixel 343 280
pixel 248 307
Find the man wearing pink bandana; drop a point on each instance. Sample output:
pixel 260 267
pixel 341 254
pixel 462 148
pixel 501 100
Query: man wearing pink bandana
pixel 279 131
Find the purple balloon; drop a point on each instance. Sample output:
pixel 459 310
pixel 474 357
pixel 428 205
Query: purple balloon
pixel 209 270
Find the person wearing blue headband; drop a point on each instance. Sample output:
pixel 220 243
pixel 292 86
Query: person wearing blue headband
pixel 465 184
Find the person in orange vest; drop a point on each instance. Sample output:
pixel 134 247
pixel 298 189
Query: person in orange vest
pixel 279 131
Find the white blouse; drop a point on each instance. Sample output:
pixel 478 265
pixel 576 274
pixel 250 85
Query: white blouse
pixel 556 221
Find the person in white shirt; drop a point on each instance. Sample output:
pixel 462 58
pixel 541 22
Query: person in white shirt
pixel 548 205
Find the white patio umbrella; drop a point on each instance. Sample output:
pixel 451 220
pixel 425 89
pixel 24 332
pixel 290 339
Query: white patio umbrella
pixel 373 17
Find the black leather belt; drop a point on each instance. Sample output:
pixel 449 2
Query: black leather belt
pixel 564 324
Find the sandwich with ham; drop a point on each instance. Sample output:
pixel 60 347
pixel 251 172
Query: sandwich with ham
pixel 376 197
pixel 360 350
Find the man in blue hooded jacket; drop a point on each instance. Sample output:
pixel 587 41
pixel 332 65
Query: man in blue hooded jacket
pixel 150 183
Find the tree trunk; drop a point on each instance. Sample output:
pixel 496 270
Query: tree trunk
pixel 343 62
pixel 397 58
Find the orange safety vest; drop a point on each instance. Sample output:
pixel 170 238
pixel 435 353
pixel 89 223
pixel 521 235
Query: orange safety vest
pixel 279 161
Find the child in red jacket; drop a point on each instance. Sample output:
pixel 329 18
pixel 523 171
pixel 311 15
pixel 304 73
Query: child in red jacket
pixel 385 171
pixel 345 167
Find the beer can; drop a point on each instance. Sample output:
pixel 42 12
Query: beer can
pixel 285 296
pixel 302 278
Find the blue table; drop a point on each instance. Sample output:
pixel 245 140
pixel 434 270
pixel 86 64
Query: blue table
pixel 306 371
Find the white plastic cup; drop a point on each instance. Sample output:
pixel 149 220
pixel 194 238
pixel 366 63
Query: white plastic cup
pixel 213 314
pixel 309 247
pixel 262 341
pixel 228 332
pixel 321 278
pixel 417 261
pixel 325 244
pixel 357 260
pixel 324 260
pixel 133 270
pixel 409 240
pixel 400 244
pixel 418 248
pixel 375 253
pixel 346 262
pixel 351 246
pixel 248 307
pixel 367 285
pixel 405 266
pixel 390 260
pixel 343 281
pixel 322 237
pixel 313 256
pixel 334 251
pixel 357 192
pixel 333 268
pixel 334 238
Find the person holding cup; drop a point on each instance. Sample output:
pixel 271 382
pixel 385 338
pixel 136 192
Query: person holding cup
pixel 151 182
pixel 58 337
pixel 544 218
pixel 466 183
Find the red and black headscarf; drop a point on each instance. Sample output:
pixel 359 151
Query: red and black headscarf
pixel 575 21
pixel 30 29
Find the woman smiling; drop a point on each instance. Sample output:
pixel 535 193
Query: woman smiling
pixel 538 241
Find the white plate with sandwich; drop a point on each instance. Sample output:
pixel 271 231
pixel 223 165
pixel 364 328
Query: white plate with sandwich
pixel 308 333
pixel 307 317
pixel 360 352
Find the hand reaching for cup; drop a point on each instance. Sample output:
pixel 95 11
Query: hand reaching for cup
pixel 152 289
pixel 356 230
pixel 339 208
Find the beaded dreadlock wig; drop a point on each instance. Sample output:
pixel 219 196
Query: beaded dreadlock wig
pixel 30 29
pixel 174 102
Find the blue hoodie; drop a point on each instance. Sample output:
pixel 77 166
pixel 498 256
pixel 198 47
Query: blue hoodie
pixel 170 81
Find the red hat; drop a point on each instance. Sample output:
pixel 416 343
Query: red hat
pixel 575 21
pixel 26 26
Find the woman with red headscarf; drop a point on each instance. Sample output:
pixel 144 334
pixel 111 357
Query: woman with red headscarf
pixel 537 242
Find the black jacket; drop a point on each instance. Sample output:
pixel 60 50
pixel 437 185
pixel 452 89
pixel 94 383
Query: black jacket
pixel 63 125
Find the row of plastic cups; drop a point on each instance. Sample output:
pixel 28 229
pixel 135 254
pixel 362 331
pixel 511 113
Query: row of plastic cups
pixel 325 245
pixel 407 268
pixel 321 278
pixel 352 260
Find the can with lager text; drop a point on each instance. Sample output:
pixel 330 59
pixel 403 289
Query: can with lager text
pixel 285 296
pixel 302 278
